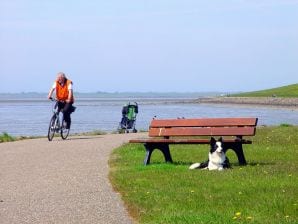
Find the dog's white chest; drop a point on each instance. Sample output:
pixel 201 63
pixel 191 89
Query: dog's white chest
pixel 216 161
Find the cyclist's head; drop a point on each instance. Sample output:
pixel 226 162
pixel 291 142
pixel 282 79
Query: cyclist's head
pixel 61 77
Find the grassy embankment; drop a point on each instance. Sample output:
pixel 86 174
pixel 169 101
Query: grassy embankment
pixel 284 91
pixel 264 191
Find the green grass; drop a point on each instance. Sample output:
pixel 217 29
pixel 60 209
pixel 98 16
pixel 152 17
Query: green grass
pixel 284 91
pixel 4 137
pixel 264 191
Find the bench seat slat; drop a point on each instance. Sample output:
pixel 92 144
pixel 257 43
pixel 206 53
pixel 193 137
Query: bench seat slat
pixel 184 141
pixel 212 131
pixel 204 122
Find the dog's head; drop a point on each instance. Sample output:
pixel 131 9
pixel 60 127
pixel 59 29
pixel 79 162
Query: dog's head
pixel 216 145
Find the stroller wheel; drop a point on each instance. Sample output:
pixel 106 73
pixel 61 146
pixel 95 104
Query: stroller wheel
pixel 134 130
pixel 127 131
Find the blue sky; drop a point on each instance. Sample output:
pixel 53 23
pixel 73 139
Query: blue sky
pixel 142 45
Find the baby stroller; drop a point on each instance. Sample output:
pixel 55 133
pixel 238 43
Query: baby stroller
pixel 128 121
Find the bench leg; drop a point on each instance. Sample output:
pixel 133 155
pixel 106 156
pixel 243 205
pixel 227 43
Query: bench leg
pixel 237 148
pixel 164 148
pixel 149 151
pixel 166 152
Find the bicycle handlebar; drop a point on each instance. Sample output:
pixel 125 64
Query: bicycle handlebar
pixel 55 100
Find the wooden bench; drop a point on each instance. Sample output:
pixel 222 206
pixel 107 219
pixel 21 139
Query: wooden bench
pixel 163 132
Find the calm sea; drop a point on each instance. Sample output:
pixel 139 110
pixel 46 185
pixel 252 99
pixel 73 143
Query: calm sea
pixel 29 115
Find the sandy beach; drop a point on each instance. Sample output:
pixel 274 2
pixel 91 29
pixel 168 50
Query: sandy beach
pixel 60 181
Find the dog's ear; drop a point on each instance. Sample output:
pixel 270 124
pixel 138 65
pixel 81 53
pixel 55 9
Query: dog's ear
pixel 220 139
pixel 212 141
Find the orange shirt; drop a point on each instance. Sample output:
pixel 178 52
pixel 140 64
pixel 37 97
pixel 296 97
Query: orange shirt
pixel 63 91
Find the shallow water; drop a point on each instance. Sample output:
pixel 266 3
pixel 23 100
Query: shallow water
pixel 30 117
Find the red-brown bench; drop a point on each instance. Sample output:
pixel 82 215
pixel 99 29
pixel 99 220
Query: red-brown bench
pixel 163 132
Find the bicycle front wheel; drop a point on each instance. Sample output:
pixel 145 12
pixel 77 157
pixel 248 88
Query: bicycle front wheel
pixel 51 131
pixel 64 132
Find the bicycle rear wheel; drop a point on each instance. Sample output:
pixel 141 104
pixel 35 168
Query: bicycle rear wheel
pixel 64 132
pixel 51 131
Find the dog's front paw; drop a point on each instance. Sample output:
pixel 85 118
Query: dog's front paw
pixel 194 166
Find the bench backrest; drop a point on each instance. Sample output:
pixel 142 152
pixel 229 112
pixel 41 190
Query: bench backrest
pixel 203 127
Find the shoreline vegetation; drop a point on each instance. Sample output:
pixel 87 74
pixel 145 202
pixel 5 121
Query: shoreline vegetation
pixel 5 137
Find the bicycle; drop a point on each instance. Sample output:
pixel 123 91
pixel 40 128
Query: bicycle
pixel 55 125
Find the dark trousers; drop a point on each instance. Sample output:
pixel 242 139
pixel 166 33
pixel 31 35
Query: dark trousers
pixel 65 108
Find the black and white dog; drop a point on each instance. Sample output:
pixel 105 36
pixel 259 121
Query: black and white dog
pixel 217 158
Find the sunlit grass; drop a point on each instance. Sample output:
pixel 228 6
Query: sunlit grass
pixel 264 191
pixel 4 137
pixel 284 91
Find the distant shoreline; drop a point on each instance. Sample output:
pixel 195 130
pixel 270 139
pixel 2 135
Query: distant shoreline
pixel 291 103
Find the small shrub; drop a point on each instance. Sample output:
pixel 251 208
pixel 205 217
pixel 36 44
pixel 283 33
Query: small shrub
pixel 285 125
pixel 6 137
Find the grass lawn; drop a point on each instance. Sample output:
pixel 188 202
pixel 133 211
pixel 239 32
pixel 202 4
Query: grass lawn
pixel 264 191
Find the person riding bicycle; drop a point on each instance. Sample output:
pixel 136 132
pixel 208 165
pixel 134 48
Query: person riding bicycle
pixel 64 96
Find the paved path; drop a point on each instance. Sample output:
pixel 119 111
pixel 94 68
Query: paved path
pixel 60 181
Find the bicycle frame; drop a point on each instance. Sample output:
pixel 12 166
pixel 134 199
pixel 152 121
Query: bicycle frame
pixel 55 124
